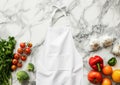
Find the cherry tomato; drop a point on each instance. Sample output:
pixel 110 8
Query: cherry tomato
pixel 13 67
pixel 16 55
pixel 20 50
pixel 14 61
pixel 22 45
pixel 27 51
pixel 23 58
pixel 19 64
pixel 29 44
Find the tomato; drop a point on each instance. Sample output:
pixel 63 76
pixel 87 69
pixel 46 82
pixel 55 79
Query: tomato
pixel 95 77
pixel 27 51
pixel 16 55
pixel 20 50
pixel 106 81
pixel 107 70
pixel 23 58
pixel 116 75
pixel 13 67
pixel 19 64
pixel 29 44
pixel 22 45
pixel 14 61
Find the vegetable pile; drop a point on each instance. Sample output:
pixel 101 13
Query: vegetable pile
pixel 6 55
pixel 96 63
pixel 95 76
pixel 21 55
pixel 23 75
pixel 10 61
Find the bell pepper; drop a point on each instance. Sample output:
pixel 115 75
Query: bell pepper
pixel 112 61
pixel 96 63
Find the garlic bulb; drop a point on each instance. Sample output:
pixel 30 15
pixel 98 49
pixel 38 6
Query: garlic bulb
pixel 94 45
pixel 107 41
pixel 116 50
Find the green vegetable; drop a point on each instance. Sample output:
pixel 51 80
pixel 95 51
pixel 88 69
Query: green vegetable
pixel 112 61
pixel 6 55
pixel 22 76
pixel 30 67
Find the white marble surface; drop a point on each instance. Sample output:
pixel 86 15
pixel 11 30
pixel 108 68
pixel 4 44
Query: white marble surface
pixel 28 20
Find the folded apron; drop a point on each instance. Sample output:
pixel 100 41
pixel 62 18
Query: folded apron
pixel 59 62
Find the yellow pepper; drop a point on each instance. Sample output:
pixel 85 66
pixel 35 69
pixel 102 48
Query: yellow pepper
pixel 116 75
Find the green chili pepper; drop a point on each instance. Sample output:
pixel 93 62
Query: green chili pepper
pixel 112 61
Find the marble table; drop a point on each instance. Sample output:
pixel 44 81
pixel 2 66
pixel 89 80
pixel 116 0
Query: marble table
pixel 28 21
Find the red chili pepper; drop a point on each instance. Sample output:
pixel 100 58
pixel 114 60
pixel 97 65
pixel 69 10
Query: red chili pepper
pixel 96 63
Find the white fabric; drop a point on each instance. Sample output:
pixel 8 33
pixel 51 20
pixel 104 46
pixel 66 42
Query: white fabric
pixel 60 63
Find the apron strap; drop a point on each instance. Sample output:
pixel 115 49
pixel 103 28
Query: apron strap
pixel 53 14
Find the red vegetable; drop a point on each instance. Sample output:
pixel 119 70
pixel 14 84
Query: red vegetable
pixel 20 50
pixel 14 61
pixel 16 55
pixel 22 45
pixel 96 63
pixel 95 77
pixel 27 51
pixel 19 64
pixel 23 58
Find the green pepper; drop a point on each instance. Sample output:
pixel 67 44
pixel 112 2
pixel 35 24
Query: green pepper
pixel 112 61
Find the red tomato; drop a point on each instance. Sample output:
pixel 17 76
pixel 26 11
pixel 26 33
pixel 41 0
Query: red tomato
pixel 22 45
pixel 23 58
pixel 95 77
pixel 16 55
pixel 20 50
pixel 14 61
pixel 29 44
pixel 19 64
pixel 27 51
pixel 13 67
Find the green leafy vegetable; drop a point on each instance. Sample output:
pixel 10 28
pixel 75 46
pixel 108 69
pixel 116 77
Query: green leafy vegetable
pixel 30 67
pixel 22 76
pixel 6 55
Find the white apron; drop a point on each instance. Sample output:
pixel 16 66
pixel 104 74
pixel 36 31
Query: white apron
pixel 59 62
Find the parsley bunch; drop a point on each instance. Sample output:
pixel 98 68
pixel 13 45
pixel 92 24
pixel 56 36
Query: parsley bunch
pixel 6 55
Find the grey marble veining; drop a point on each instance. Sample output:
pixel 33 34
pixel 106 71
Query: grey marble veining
pixel 28 20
